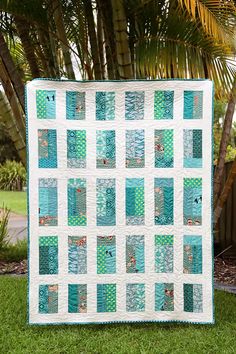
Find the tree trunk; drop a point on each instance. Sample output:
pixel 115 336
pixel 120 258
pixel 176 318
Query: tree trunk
pixel 93 39
pixel 58 18
pixel 122 42
pixel 7 117
pixel 45 42
pixel 224 141
pixel 42 59
pixel 100 42
pixel 224 194
pixel 23 29
pixel 105 9
pixel 13 101
pixel 12 71
pixel 81 41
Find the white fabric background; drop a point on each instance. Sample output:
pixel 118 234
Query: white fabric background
pixel 62 173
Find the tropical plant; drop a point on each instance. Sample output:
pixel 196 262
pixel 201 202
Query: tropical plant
pixel 4 234
pixel 7 148
pixel 12 176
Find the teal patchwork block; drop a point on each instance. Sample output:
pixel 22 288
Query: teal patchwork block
pixel 48 255
pixel 48 299
pixel 47 148
pixel 106 254
pixel 164 201
pixel 164 297
pixel 106 202
pixel 193 148
pixel 164 253
pixel 193 104
pixel 48 206
pixel 163 104
pixel 77 298
pixel 106 297
pixel 135 297
pixel 164 150
pixel 46 104
pixel 193 298
pixel 134 105
pixel 77 208
pixel 106 148
pixel 135 145
pixel 135 261
pixel 75 105
pixel 105 105
pixel 134 201
pixel 77 254
pixel 192 201
pixel 76 148
pixel 192 253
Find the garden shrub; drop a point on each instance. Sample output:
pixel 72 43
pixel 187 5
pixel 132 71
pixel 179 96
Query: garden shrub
pixel 12 176
pixel 4 235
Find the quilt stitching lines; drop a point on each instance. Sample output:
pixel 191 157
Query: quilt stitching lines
pixel 123 260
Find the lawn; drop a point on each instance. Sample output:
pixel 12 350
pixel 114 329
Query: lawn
pixel 16 201
pixel 16 337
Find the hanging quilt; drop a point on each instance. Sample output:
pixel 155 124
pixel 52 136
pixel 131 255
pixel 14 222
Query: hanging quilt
pixel 119 201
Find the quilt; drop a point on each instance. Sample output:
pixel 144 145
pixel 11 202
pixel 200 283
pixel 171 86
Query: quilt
pixel 119 201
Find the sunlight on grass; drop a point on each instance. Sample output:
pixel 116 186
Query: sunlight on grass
pixel 16 201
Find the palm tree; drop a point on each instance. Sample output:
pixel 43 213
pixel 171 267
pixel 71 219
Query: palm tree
pixel 61 33
pixel 11 70
pixel 123 53
pixel 130 39
pixel 23 30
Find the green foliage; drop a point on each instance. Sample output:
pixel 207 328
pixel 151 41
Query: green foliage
pixel 7 148
pixel 12 176
pixel 230 154
pixel 219 113
pixel 14 252
pixel 4 235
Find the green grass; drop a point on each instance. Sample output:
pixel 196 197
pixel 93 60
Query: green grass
pixel 16 201
pixel 16 337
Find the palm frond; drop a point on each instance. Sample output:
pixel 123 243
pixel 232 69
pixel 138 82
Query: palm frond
pixel 34 11
pixel 217 17
pixel 173 45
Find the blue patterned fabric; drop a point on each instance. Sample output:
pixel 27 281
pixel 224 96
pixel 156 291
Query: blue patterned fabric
pixel 134 105
pixel 47 148
pixel 193 104
pixel 75 105
pixel 106 199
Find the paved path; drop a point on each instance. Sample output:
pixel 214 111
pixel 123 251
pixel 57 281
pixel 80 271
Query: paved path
pixel 17 227
pixel 228 288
